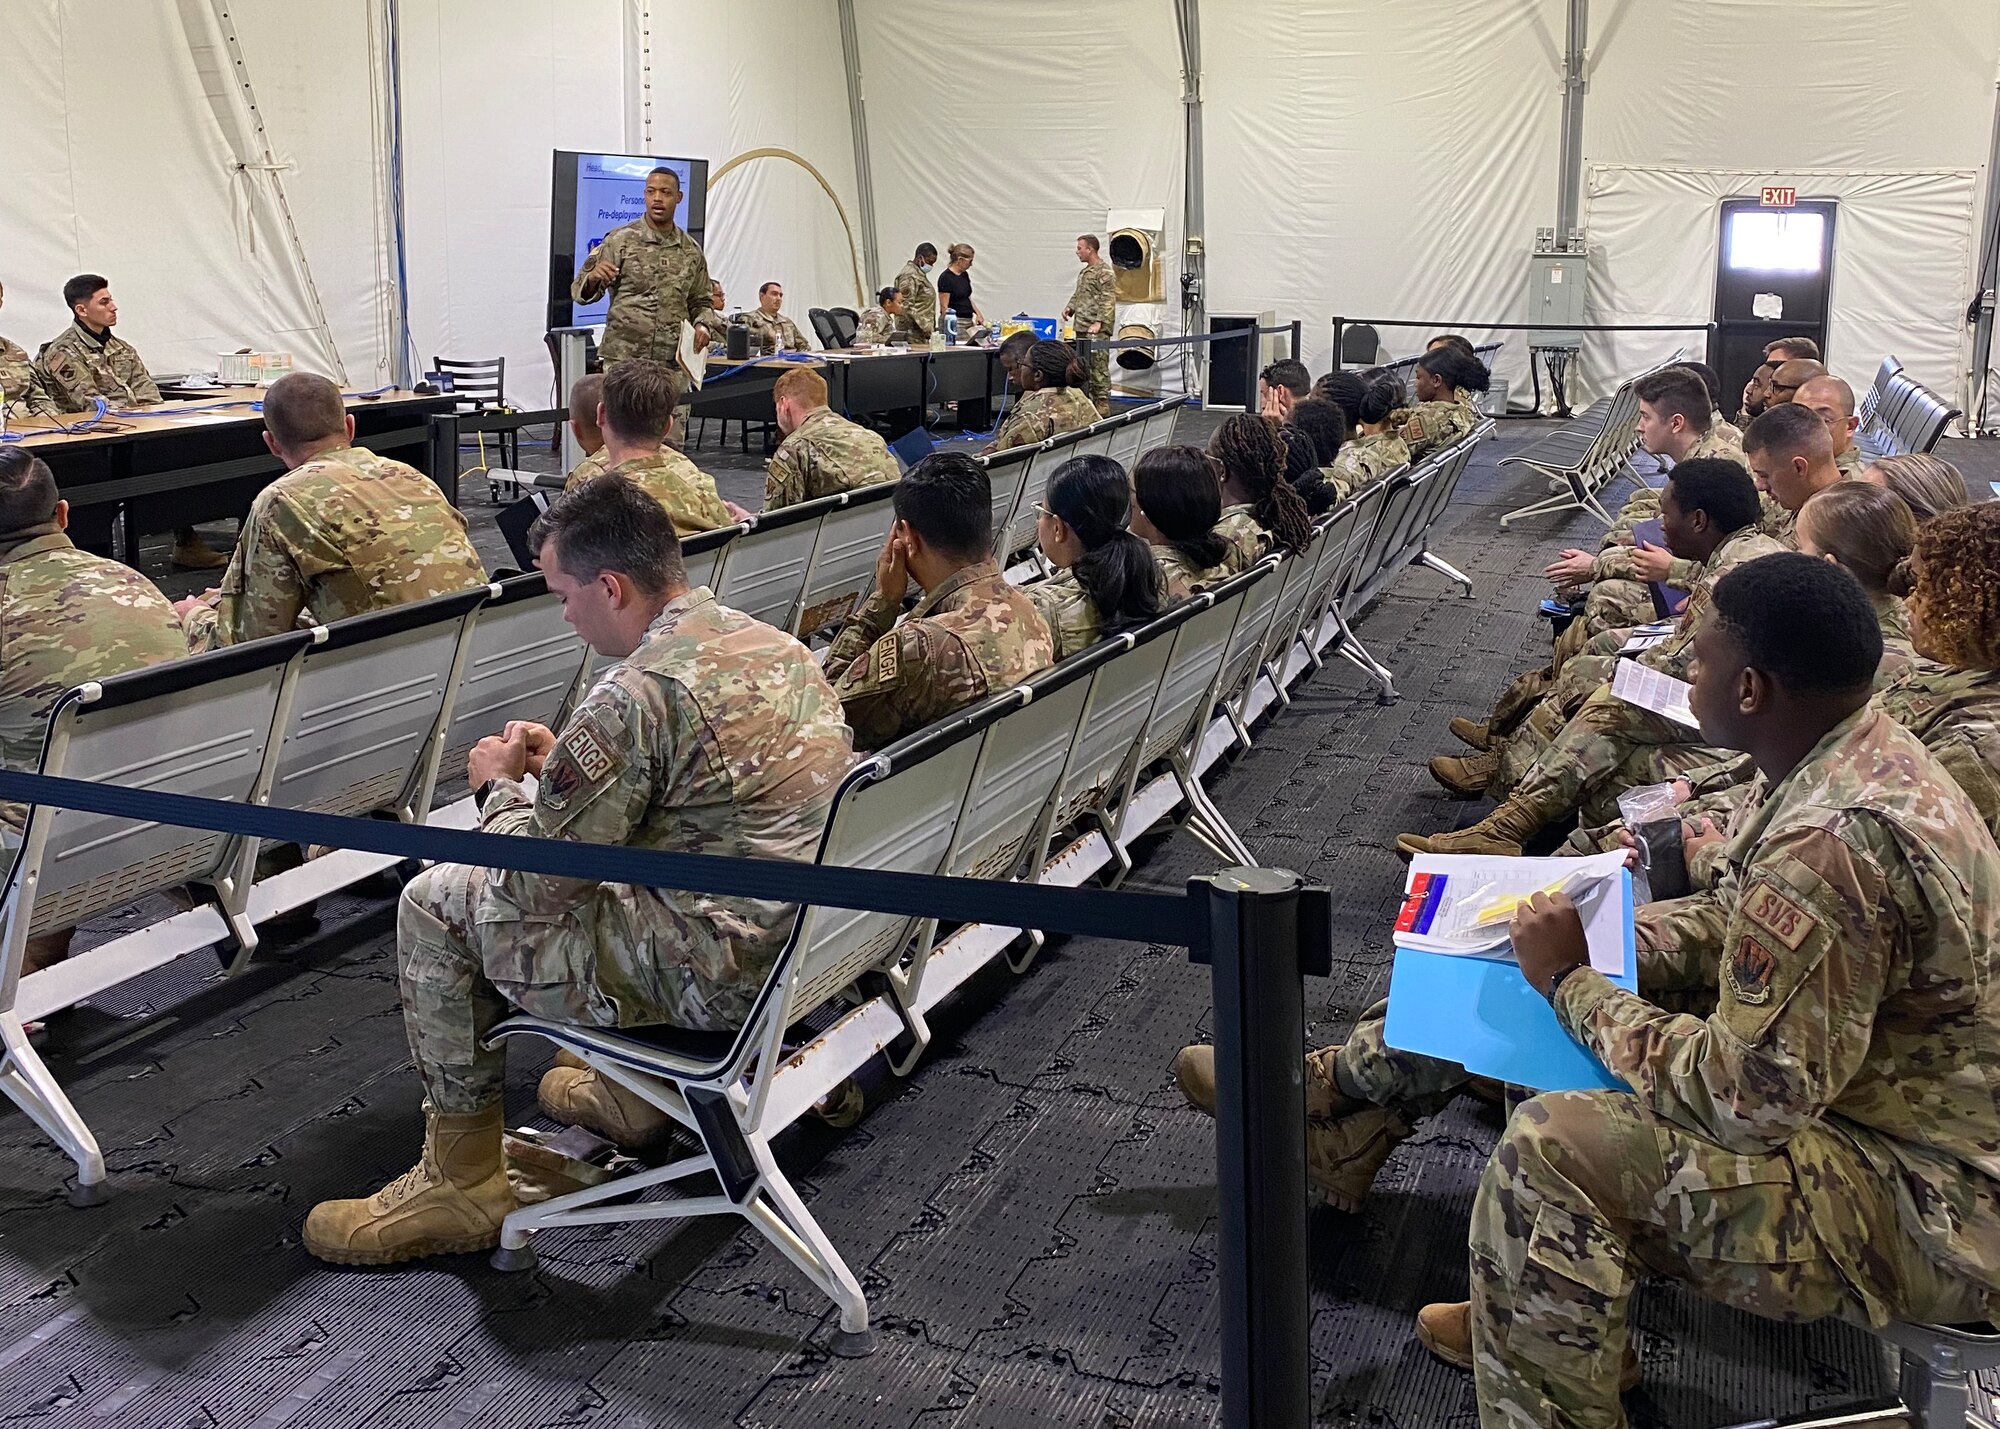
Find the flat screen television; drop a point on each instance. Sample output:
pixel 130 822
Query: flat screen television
pixel 595 193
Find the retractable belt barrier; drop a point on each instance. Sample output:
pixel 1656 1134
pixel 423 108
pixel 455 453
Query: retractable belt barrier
pixel 1132 917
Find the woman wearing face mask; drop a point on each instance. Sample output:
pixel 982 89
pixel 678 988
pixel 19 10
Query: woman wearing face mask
pixel 1106 578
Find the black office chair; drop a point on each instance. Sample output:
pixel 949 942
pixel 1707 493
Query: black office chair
pixel 846 323
pixel 480 385
pixel 1360 346
pixel 823 327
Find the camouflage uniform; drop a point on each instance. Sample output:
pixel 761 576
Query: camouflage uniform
pixel 1184 577
pixel 1578 765
pixel 1956 713
pixel 18 388
pixel 1724 430
pixel 1046 412
pixel 875 328
pixel 1367 459
pixel 1095 301
pixel 1248 541
pixel 66 617
pixel 918 319
pixel 1073 617
pixel 1618 599
pixel 1826 1142
pixel 717 735
pixel 1433 426
pixel 77 367
pixel 775 331
pixel 591 465
pixel 686 491
pixel 1850 462
pixel 662 282
pixel 971 637
pixel 825 454
pixel 346 533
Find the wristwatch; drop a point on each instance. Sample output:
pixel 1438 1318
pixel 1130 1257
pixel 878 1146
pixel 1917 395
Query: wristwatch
pixel 479 795
pixel 1559 977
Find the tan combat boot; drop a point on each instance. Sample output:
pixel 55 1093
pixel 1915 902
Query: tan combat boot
pixel 576 1094
pixel 1476 733
pixel 1342 1156
pixel 1194 1069
pixel 1446 1331
pixel 450 1202
pixel 191 553
pixel 1501 832
pixel 1465 776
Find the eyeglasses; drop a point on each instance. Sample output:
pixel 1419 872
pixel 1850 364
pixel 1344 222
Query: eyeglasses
pixel 1041 510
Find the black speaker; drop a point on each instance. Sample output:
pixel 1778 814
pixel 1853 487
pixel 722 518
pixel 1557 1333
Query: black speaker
pixel 1232 374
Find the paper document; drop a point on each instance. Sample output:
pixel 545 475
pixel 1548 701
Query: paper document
pixel 1482 1014
pixel 693 356
pixel 1461 904
pixel 1645 637
pixel 1651 690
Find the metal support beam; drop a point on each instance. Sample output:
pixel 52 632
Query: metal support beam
pixel 1194 242
pixel 864 176
pixel 1569 198
pixel 1979 391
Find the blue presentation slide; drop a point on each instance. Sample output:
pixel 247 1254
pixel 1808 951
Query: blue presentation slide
pixel 611 190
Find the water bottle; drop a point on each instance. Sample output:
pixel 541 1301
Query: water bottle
pixel 951 329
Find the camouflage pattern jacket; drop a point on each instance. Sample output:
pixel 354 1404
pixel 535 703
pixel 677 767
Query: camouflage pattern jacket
pixel 1851 463
pixel 1855 928
pixel 717 735
pixel 662 282
pixel 1675 655
pixel 1248 541
pixel 776 332
pixel 18 388
pixel 591 465
pixel 1614 561
pixel 1183 576
pixel 346 533
pixel 1072 616
pixel 918 319
pixel 684 489
pixel 1043 413
pixel 875 328
pixel 971 637
pixel 1431 426
pixel 1956 713
pixel 825 454
pixel 76 367
pixel 1366 459
pixel 1095 299
pixel 67 616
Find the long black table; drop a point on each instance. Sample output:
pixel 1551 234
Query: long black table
pixel 864 384
pixel 186 462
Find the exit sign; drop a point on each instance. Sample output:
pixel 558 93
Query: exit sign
pixel 1771 197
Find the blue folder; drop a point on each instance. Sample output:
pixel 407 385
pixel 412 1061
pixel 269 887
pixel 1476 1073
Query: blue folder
pixel 1483 1015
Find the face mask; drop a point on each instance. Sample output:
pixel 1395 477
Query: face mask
pixel 925 269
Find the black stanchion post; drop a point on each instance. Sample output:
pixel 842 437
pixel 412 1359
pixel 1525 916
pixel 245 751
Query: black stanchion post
pixel 1265 929
pixel 1250 336
pixel 1298 338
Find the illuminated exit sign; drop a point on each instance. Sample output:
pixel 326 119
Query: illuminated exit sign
pixel 1771 197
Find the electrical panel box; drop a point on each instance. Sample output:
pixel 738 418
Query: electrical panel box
pixel 1555 298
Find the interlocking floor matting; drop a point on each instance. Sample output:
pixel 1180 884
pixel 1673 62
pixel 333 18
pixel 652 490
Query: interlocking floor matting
pixel 1033 1212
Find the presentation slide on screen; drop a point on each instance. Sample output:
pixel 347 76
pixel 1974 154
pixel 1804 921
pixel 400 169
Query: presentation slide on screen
pixel 611 190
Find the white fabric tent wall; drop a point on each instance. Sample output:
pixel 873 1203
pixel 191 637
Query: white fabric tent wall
pixel 724 80
pixel 1016 128
pixel 1886 105
pixel 1378 161
pixel 120 164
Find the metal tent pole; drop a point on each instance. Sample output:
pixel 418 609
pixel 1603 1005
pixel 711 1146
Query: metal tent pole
pixel 1569 199
pixel 1194 243
pixel 864 177
pixel 1979 388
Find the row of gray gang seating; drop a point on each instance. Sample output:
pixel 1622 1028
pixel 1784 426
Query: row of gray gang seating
pixel 1052 781
pixel 1899 415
